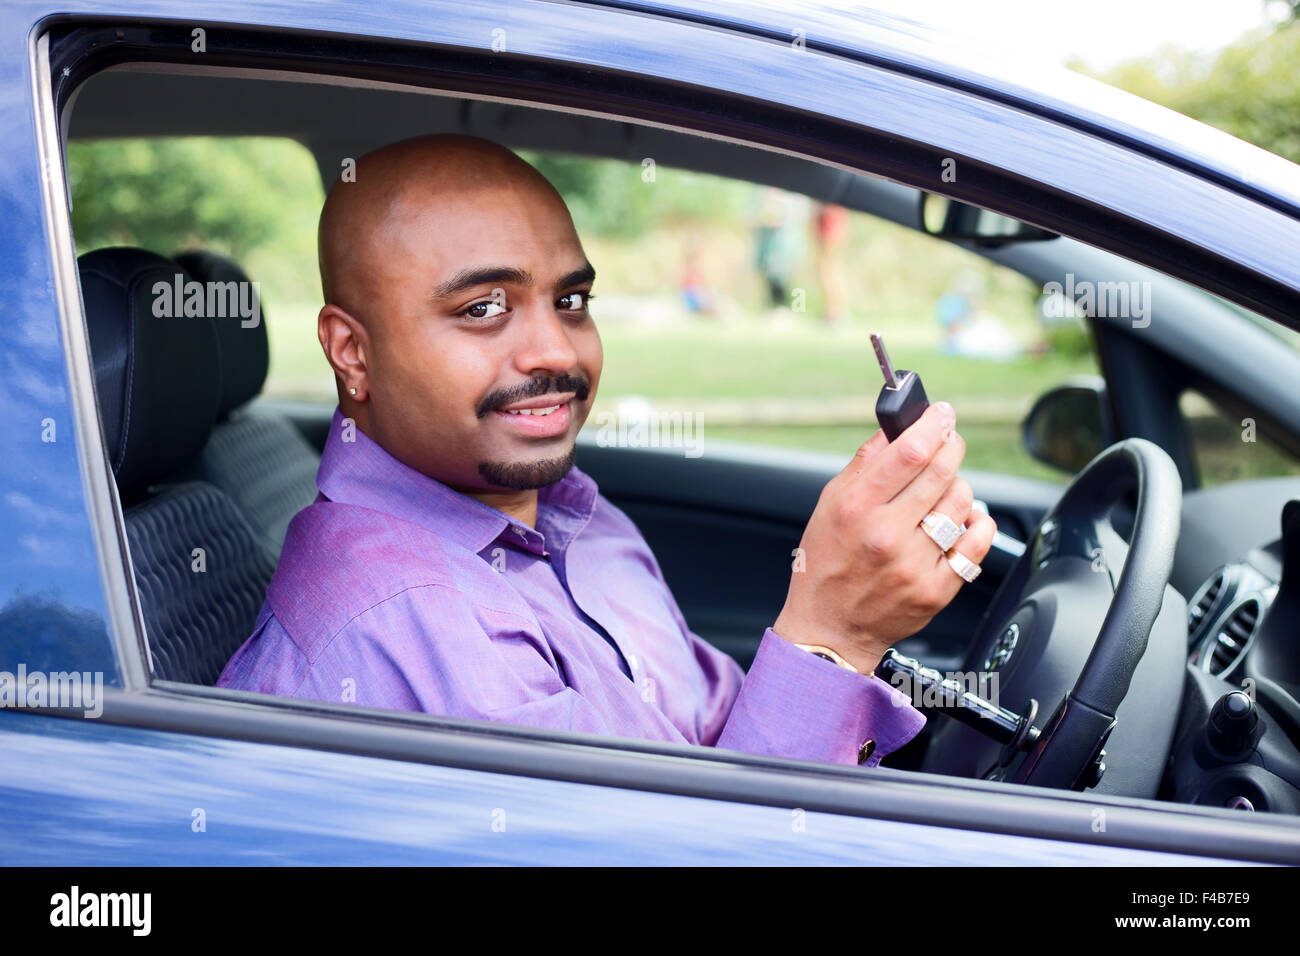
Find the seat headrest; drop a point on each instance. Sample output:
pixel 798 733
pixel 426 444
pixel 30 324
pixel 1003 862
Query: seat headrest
pixel 245 353
pixel 157 373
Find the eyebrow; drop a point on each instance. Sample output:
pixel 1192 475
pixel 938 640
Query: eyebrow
pixel 577 277
pixel 467 279
pixel 483 275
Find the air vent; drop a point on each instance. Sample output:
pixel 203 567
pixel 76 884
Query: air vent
pixel 1224 647
pixel 1209 594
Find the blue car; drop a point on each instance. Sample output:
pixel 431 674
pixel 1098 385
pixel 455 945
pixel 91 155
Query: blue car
pixel 1140 619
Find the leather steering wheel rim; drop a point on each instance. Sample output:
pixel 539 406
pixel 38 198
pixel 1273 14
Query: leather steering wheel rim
pixel 1068 749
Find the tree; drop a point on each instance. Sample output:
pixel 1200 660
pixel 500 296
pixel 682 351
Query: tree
pixel 1248 89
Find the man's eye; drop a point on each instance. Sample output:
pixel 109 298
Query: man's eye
pixel 484 310
pixel 574 301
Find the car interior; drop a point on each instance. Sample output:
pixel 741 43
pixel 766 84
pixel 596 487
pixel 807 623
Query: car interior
pixel 199 454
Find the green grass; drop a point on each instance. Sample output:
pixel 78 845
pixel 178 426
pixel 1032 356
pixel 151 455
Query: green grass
pixel 991 398
pixel 682 364
pixel 760 363
pixel 699 362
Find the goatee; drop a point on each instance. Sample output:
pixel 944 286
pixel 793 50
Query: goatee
pixel 523 475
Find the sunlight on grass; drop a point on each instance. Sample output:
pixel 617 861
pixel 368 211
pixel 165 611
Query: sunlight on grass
pixel 692 365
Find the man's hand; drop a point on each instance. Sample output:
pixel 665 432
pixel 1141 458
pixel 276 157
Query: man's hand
pixel 871 575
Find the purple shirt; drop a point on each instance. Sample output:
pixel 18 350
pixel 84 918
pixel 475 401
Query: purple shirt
pixel 395 591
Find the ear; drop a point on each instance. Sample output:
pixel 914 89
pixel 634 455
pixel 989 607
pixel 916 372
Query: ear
pixel 343 339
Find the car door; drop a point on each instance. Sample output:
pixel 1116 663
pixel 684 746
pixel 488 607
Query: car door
pixel 230 776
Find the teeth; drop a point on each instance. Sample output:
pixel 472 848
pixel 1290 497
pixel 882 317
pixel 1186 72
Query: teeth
pixel 532 411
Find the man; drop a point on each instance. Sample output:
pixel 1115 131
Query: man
pixel 457 562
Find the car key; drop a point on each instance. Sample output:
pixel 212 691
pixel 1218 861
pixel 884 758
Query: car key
pixel 902 398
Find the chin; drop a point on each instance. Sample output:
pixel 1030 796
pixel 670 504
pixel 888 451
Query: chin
pixel 525 475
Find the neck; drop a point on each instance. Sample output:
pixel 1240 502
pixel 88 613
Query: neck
pixel 519 505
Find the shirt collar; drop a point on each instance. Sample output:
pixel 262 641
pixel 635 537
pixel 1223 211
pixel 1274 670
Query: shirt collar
pixel 356 470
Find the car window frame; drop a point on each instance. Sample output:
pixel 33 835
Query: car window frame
pixel 506 748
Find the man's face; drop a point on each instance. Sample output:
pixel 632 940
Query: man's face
pixel 480 303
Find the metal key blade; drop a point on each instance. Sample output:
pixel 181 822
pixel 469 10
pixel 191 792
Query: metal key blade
pixel 891 377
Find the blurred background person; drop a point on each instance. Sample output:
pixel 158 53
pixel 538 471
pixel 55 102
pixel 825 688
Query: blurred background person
pixel 966 329
pixel 697 295
pixel 831 229
pixel 779 244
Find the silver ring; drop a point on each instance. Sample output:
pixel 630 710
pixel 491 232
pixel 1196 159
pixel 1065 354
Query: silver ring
pixel 942 530
pixel 966 569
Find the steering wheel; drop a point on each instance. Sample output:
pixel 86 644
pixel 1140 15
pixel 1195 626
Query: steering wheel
pixel 1081 600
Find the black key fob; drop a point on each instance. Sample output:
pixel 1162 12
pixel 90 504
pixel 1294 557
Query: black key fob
pixel 899 406
pixel 902 399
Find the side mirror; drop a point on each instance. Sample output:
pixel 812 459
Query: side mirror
pixel 949 219
pixel 1070 425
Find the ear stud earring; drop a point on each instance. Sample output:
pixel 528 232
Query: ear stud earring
pixel 352 390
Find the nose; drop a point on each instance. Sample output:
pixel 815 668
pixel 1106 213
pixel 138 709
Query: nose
pixel 546 342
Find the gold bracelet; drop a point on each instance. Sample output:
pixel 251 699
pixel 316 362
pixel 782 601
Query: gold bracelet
pixel 827 654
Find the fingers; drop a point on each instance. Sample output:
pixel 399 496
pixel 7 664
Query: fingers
pixel 894 467
pixel 935 482
pixel 975 544
pixel 956 502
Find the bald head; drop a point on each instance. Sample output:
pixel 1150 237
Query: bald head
pixel 456 293
pixel 363 222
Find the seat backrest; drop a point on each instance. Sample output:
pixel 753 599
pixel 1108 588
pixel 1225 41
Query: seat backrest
pixel 200 571
pixel 257 457
pixel 202 576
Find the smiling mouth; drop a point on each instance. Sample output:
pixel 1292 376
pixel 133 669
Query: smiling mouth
pixel 543 404
pixel 538 421
pixel 532 411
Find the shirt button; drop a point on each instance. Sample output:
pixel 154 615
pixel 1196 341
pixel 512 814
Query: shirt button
pixel 866 750
pixel 519 531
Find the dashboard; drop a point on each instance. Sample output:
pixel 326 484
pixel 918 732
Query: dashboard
pixel 1239 730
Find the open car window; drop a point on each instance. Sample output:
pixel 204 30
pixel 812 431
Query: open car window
pixel 731 310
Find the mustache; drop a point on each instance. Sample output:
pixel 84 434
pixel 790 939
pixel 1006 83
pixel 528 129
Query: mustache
pixel 532 388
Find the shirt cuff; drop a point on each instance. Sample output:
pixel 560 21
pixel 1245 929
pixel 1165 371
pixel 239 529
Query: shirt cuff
pixel 795 704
